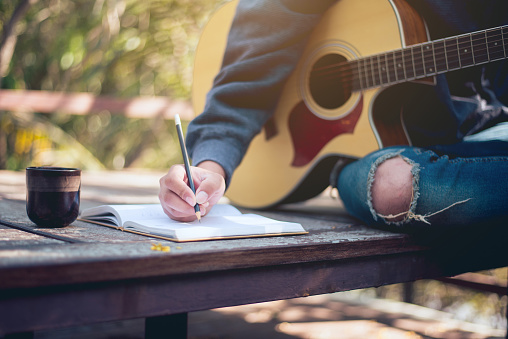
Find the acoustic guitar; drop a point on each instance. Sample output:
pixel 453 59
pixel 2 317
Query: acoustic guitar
pixel 330 107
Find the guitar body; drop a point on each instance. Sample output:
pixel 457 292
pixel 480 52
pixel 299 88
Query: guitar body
pixel 317 121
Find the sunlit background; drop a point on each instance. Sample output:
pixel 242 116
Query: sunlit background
pixel 119 48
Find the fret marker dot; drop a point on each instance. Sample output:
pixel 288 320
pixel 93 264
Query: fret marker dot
pixel 465 50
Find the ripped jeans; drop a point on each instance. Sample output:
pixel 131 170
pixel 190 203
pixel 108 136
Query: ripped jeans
pixel 453 185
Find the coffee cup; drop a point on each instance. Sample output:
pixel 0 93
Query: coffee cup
pixel 52 195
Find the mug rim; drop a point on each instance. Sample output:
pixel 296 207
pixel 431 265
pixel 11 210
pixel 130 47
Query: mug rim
pixel 52 169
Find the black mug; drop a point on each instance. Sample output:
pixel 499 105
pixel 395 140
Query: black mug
pixel 52 195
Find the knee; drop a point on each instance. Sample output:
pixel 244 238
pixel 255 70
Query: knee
pixel 392 188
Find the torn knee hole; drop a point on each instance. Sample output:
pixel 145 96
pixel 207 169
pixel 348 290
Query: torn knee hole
pixel 392 189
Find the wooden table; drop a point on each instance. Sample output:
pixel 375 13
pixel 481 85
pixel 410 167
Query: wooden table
pixel 96 274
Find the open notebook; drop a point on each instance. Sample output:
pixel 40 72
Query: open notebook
pixel 222 222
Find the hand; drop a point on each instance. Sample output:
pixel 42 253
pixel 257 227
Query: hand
pixel 178 200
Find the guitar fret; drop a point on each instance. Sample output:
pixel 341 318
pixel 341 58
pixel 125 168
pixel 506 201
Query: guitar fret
pixel 386 68
pixel 375 72
pixel 391 68
pixel 368 75
pixel 378 70
pixel 379 66
pixel 399 65
pixel 458 51
pixel 465 49
pixel 419 67
pixel 409 65
pixel 359 76
pixel 495 44
pixel 383 74
pixel 452 53
pixel 434 57
pixel 479 48
pixel 504 32
pixel 487 46
pixel 367 81
pixel 354 72
pixel 428 59
pixel 440 56
pixel 372 73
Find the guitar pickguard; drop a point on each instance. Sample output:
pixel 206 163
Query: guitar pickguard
pixel 310 133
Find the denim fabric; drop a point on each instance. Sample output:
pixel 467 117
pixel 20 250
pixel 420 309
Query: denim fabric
pixel 266 41
pixel 454 185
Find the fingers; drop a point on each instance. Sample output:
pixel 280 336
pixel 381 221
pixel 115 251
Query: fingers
pixel 210 189
pixel 176 197
pixel 212 182
pixel 178 200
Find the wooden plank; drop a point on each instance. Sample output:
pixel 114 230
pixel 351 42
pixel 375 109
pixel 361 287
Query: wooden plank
pixel 113 255
pixel 134 298
pixel 86 103
pixel 12 238
pixel 477 281
pixel 109 254
pixel 92 262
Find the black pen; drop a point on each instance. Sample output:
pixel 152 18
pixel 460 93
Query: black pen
pixel 186 162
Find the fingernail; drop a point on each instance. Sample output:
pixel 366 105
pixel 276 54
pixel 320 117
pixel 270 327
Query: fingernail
pixel 201 197
pixel 190 201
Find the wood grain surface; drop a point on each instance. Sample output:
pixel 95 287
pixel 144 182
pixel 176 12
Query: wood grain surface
pixel 101 274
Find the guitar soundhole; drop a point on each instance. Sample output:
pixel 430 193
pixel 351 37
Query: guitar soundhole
pixel 330 81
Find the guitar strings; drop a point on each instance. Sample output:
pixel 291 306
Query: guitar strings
pixel 374 77
pixel 372 74
pixel 342 65
pixel 439 59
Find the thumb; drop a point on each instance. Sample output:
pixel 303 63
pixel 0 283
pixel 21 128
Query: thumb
pixel 211 188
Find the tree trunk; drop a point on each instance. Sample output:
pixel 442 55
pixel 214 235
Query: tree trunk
pixel 9 36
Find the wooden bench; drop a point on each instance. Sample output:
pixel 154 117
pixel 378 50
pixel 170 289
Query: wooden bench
pixel 86 273
pixel 86 103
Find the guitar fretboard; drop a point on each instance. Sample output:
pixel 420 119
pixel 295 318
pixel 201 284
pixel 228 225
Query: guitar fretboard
pixel 427 59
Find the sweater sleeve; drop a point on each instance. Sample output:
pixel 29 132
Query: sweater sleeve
pixel 265 42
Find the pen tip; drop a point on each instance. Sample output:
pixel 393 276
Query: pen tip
pixel 198 215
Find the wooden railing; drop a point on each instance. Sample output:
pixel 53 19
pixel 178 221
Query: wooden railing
pixel 479 282
pixel 85 103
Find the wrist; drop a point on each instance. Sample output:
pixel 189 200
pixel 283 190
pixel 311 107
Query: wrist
pixel 212 166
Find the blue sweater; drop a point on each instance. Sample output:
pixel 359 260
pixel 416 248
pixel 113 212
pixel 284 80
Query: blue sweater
pixel 267 39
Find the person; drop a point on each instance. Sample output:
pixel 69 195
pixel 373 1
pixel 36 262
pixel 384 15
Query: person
pixel 454 174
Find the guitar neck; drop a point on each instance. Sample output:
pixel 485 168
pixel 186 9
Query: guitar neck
pixel 428 59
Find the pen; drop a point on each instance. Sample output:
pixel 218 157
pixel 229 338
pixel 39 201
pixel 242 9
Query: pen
pixel 186 162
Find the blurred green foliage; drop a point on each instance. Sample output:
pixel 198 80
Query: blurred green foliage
pixel 122 48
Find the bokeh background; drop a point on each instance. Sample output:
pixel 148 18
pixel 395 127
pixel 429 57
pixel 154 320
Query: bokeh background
pixel 118 48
